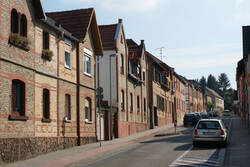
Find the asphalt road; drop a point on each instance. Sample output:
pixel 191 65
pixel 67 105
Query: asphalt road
pixel 162 151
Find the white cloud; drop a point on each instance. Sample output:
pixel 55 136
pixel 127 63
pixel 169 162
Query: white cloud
pixel 130 5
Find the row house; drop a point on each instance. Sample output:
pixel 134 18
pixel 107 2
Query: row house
pixel 194 96
pixel 242 77
pixel 47 79
pixel 161 106
pixel 137 86
pixel 213 97
pixel 125 92
pixel 180 98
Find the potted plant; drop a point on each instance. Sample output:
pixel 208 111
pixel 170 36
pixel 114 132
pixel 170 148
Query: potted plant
pixel 47 54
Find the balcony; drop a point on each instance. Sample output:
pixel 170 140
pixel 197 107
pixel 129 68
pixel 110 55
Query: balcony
pixel 165 86
pixel 134 79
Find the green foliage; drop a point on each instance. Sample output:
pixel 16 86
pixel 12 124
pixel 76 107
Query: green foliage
pixel 17 39
pixel 210 106
pixel 223 83
pixel 212 83
pixel 47 54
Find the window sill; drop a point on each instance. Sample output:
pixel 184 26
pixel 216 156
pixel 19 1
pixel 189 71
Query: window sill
pixel 88 122
pixel 18 118
pixel 46 120
pixel 19 45
pixel 67 121
pixel 87 74
pixel 67 67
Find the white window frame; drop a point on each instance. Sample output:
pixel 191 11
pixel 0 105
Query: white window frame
pixel 70 60
pixel 87 54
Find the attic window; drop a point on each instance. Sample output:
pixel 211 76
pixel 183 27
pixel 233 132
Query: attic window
pixel 121 39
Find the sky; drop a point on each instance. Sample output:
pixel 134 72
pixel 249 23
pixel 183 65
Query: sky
pixel 199 37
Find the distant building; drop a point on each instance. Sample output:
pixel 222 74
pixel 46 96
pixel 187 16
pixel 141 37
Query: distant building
pixel 213 97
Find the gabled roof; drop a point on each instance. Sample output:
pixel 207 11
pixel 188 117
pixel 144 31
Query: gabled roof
pixel 78 22
pixel 131 43
pixel 108 33
pixel 213 93
pixel 135 50
pixel 39 13
pixel 158 61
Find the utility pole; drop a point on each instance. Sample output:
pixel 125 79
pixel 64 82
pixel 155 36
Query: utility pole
pixel 161 52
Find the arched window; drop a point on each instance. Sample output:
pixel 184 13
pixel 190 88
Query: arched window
pixel 122 101
pixel 23 26
pixel 122 64
pixel 131 102
pixel 88 110
pixel 46 104
pixel 67 107
pixel 14 21
pixel 18 97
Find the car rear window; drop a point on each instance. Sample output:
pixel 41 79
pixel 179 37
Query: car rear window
pixel 209 125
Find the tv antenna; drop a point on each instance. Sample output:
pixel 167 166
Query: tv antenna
pixel 161 52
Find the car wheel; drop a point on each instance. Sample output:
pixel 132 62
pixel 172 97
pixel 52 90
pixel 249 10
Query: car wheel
pixel 195 144
pixel 224 144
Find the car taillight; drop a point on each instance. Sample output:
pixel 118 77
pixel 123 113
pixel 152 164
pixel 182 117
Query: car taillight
pixel 195 132
pixel 222 132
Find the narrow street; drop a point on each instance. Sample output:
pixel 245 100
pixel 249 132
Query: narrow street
pixel 161 151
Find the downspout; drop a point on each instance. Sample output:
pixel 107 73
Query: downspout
pixel 57 95
pixel 78 95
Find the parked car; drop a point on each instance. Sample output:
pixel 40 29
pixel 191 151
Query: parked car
pixel 226 113
pixel 204 115
pixel 213 113
pixel 210 130
pixel 190 119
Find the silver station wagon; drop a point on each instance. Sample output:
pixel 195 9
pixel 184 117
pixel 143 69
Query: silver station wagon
pixel 210 130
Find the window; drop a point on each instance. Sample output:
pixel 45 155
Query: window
pixel 23 26
pixel 160 103
pixel 122 64
pixel 45 40
pixel 138 103
pixel 122 101
pixel 88 113
pixel 121 39
pixel 67 107
pixel 67 60
pixel 87 65
pixel 131 102
pixel 46 104
pixel 18 97
pixel 14 21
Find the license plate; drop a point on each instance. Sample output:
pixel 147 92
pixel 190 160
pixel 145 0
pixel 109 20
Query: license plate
pixel 208 133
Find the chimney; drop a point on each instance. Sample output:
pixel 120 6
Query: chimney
pixel 120 20
pixel 142 41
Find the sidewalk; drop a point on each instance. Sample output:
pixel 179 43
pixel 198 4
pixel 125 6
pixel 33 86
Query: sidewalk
pixel 66 157
pixel 238 151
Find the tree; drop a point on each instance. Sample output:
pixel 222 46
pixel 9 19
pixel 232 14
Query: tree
pixel 210 106
pixel 212 83
pixel 203 82
pixel 228 99
pixel 223 83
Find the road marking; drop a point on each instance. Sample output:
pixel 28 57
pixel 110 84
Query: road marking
pixel 172 164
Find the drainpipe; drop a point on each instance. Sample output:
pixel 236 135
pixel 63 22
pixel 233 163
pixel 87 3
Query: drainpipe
pixel 78 95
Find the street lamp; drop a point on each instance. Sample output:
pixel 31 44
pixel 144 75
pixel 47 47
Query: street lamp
pixel 110 91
